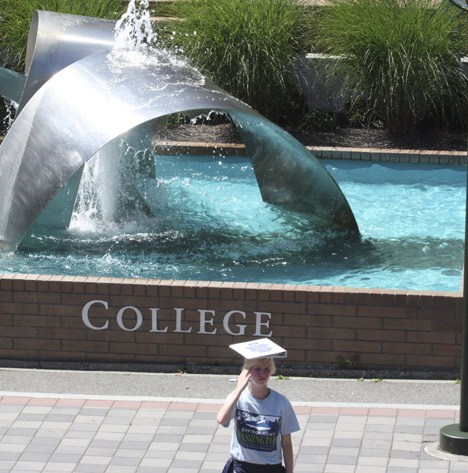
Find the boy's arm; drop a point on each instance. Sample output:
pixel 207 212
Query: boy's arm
pixel 225 413
pixel 286 446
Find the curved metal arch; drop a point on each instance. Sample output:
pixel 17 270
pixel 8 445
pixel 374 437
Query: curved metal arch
pixel 95 99
pixel 289 175
pixel 57 40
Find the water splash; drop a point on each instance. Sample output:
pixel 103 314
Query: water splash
pixel 134 29
pixel 11 108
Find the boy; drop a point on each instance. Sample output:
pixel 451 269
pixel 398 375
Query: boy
pixel 264 421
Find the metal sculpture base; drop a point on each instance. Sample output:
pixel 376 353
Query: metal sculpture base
pixel 453 440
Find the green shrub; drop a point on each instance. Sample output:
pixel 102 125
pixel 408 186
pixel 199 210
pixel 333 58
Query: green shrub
pixel 244 46
pixel 16 16
pixel 402 57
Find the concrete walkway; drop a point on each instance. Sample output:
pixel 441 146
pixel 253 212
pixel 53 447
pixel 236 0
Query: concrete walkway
pixel 74 421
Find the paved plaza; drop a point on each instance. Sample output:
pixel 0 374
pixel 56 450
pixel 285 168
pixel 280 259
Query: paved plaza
pixel 75 431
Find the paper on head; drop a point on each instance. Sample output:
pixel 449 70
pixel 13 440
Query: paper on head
pixel 261 348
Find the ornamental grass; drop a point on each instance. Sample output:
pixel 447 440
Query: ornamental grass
pixel 247 47
pixel 401 59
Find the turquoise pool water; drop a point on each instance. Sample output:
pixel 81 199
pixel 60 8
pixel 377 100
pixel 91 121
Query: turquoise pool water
pixel 209 223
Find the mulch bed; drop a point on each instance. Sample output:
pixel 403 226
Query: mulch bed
pixel 342 137
pixel 373 138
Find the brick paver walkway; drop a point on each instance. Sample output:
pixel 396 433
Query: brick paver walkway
pixel 99 434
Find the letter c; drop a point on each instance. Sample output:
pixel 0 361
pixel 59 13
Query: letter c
pixel 85 315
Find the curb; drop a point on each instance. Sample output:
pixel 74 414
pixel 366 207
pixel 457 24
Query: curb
pixel 381 155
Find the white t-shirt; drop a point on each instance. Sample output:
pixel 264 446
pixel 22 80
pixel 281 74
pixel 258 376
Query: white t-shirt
pixel 259 424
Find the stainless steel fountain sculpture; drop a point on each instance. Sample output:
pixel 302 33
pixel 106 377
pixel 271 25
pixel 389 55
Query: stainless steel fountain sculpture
pixel 81 96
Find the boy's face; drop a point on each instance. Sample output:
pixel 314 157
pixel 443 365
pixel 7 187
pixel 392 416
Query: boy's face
pixel 260 372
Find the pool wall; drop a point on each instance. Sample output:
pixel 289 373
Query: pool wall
pixel 109 320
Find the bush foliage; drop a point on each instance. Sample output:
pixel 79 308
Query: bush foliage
pixel 245 46
pixel 402 57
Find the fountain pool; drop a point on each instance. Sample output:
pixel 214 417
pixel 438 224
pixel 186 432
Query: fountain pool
pixel 211 224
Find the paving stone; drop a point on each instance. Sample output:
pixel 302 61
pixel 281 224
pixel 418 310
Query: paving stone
pixel 125 437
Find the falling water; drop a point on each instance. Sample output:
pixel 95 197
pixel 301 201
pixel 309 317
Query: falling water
pixel 97 200
pixel 11 108
pixel 105 182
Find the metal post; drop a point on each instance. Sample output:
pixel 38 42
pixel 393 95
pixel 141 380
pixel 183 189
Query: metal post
pixel 453 438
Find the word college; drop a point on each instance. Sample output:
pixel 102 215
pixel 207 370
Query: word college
pixel 130 319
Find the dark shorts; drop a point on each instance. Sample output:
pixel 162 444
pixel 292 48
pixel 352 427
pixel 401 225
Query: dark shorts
pixel 235 466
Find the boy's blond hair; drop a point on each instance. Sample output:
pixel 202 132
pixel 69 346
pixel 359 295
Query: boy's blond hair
pixel 271 362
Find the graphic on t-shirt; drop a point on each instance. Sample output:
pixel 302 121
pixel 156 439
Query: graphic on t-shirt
pixel 257 431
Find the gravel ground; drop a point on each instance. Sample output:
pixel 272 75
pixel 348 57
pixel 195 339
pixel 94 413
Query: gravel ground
pixel 206 386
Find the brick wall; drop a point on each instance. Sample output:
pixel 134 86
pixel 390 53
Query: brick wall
pixel 54 318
